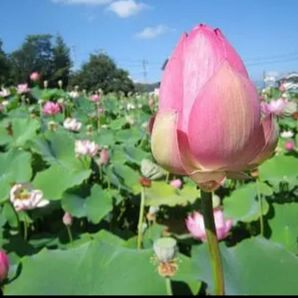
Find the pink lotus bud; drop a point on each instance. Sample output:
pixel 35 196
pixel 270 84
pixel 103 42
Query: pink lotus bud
pixel 177 183
pixel 22 88
pixel 275 107
pixel 195 225
pixel 4 266
pixel 34 76
pixel 208 124
pixel 104 156
pixel 95 98
pixel 51 108
pixel 67 219
pixel 290 145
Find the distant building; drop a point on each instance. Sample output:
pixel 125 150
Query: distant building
pixel 271 79
pixel 290 82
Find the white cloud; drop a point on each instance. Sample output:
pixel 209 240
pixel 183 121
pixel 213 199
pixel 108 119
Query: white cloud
pixel 86 2
pixel 126 8
pixel 153 32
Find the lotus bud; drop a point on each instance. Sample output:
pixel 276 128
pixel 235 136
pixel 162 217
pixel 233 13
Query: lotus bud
pixel 67 219
pixel 4 265
pixel 290 145
pixel 45 84
pixel 208 124
pixel 60 84
pixel 195 225
pixel 34 76
pixel 177 183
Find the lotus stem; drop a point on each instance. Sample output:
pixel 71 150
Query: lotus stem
pixel 169 286
pixel 141 218
pixel 215 258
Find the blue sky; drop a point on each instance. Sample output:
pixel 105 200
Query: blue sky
pixel 264 32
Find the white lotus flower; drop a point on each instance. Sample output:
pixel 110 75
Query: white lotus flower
pixel 4 92
pixel 86 147
pixel 24 197
pixel 72 124
pixel 287 134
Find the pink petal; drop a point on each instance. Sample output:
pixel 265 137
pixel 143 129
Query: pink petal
pixel 271 133
pixel 171 91
pixel 224 129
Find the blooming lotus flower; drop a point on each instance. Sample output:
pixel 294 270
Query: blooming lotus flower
pixel 177 183
pixel 275 107
pixel 51 108
pixel 195 225
pixel 72 124
pixel 208 124
pixel 287 134
pixel 24 197
pixel 4 92
pixel 86 147
pixel 95 98
pixel 74 94
pixel 34 76
pixel 4 266
pixel 22 88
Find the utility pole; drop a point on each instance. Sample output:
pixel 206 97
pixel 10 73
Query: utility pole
pixel 144 64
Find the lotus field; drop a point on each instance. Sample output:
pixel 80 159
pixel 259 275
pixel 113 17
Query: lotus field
pixel 94 199
pixel 74 170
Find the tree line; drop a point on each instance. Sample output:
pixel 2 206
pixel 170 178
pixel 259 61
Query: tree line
pixel 50 57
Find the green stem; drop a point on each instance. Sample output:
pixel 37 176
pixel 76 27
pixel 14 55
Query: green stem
pixel 215 258
pixel 69 234
pixel 141 218
pixel 260 199
pixel 169 286
pixel 25 228
pixel 167 177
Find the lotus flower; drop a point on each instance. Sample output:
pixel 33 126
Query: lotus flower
pixel 51 108
pixel 67 219
pixel 86 147
pixel 287 134
pixel 290 145
pixel 95 98
pixel 34 76
pixel 72 124
pixel 24 197
pixel 22 88
pixel 208 124
pixel 275 107
pixel 195 225
pixel 177 183
pixel 4 92
pixel 4 265
pixel 104 156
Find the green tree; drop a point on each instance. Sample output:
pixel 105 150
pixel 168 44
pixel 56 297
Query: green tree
pixel 36 54
pixel 4 66
pixel 61 62
pixel 100 72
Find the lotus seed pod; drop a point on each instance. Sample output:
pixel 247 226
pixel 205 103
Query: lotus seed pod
pixel 165 249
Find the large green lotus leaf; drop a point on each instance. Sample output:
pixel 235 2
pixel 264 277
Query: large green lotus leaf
pixel 161 193
pixel 284 225
pixel 281 168
pixel 93 268
pixel 15 167
pixel 242 204
pixel 254 267
pixel 117 124
pixel 135 155
pixel 129 136
pixel 17 132
pixel 56 147
pixel 105 137
pixel 55 180
pixel 98 204
pixel 130 178
pixel 74 204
